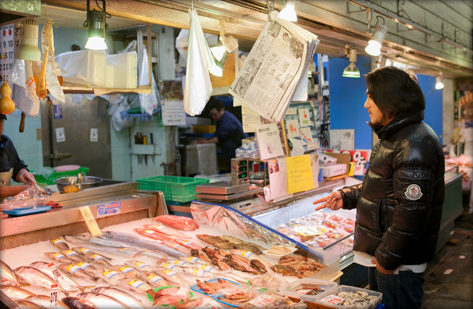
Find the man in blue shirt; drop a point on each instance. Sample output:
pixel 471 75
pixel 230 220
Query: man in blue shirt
pixel 229 129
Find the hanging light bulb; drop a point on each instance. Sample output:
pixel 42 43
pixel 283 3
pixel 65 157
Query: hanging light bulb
pixel 288 13
pixel 96 23
pixel 439 82
pixel 218 52
pixel 216 70
pixel 352 71
pixel 374 45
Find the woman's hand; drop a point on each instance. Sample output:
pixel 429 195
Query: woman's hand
pixel 333 201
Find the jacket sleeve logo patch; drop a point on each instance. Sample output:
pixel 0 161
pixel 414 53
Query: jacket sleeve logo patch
pixel 413 192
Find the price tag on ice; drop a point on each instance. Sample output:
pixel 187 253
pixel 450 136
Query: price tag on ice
pixel 53 298
pixel 90 221
pixel 59 277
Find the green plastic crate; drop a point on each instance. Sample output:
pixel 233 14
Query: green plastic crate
pixel 175 188
pixel 56 175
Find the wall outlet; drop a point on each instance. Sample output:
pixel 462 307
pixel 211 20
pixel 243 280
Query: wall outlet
pixel 39 134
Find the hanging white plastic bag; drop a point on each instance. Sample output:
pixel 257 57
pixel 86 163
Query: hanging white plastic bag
pixel 198 86
pixel 24 93
pixel 47 45
pixel 148 102
pixel 118 122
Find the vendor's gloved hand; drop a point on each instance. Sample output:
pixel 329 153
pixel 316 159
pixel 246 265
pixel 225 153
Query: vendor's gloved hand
pixel 25 177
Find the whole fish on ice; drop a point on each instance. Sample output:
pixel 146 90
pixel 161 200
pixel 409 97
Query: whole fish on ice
pixel 26 304
pixel 103 301
pixel 78 303
pixel 45 301
pixel 141 243
pixel 43 266
pixel 33 276
pixel 126 298
pixel 15 292
pixel 6 273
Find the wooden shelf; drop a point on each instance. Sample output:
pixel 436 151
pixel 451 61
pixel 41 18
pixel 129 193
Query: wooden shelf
pixel 101 91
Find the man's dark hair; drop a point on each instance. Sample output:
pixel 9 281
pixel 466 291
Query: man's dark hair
pixel 215 103
pixel 395 92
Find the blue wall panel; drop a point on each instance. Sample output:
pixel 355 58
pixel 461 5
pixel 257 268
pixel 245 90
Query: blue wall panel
pixel 433 104
pixel 347 97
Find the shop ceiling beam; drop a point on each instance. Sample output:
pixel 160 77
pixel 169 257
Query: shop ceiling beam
pixel 388 14
pixel 459 46
pixel 15 11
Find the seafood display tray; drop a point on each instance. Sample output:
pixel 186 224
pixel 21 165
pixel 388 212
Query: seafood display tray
pixel 216 298
pixel 196 288
pixel 279 255
pixel 27 210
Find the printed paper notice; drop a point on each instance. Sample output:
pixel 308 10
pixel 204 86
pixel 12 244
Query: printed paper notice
pixel 304 118
pixel 94 135
pixel 60 135
pixel 269 142
pixel 299 174
pixel 277 178
pixel 342 139
pixel 173 113
pixel 293 128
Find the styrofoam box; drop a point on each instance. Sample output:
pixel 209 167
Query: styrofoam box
pixel 345 288
pixel 327 286
pixel 87 63
pixel 109 77
pixel 125 73
pixel 334 170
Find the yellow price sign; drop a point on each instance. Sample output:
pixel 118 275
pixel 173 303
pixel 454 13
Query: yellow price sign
pixel 90 221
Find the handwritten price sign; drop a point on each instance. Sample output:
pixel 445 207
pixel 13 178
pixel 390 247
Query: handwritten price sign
pixel 299 174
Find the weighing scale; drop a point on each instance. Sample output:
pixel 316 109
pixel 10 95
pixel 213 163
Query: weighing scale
pixel 225 191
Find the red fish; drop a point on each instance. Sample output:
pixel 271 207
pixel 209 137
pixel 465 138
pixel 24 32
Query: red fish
pixel 170 244
pixel 177 222
pixel 159 227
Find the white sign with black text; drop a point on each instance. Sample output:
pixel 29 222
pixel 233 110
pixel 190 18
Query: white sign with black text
pixel 94 135
pixel 60 135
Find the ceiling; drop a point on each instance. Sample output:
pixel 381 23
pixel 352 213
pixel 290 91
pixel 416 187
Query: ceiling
pixel 244 19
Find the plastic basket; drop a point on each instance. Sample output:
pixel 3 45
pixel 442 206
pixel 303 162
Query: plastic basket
pixel 56 175
pixel 175 188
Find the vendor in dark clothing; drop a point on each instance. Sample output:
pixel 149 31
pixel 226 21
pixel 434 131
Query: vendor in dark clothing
pixel 229 130
pixel 11 167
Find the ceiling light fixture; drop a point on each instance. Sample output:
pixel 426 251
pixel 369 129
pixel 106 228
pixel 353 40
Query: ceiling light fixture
pixel 374 45
pixel 351 71
pixel 439 82
pixel 96 23
pixel 28 49
pixel 288 13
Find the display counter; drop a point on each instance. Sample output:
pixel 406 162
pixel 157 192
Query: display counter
pixel 112 203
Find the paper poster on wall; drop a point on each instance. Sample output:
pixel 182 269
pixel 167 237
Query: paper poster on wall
pixel 292 128
pixel 173 113
pixel 306 136
pixel 94 135
pixel 304 117
pixel 299 174
pixel 60 135
pixel 277 178
pixel 269 142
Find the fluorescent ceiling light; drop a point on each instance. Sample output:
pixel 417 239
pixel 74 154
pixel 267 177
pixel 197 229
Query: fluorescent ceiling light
pixel 288 13
pixel 96 43
pixel 374 45
pixel 439 82
pixel 218 52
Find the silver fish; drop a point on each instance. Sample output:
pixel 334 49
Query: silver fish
pixel 61 244
pixel 127 271
pixel 84 251
pixel 134 285
pixel 110 275
pixel 15 292
pixel 103 301
pixel 123 249
pixel 97 258
pixel 6 273
pixel 78 303
pixel 76 271
pixel 106 242
pixel 128 299
pixel 141 243
pixel 58 257
pixel 33 276
pixel 160 256
pixel 26 304
pixel 73 255
pixel 45 301
pixel 140 266
pixel 43 266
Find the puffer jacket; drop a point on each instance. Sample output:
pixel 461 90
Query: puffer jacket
pixel 399 203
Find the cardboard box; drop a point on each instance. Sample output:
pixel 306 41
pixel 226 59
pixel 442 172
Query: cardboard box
pixel 333 170
pixel 342 158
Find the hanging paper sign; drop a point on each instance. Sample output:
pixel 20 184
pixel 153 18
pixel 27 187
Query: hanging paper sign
pixel 299 174
pixel 173 113
pixel 269 142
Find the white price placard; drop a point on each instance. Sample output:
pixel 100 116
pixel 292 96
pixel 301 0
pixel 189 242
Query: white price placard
pixel 94 135
pixel 60 135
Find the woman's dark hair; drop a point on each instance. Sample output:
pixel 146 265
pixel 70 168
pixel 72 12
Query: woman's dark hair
pixel 215 103
pixel 395 92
